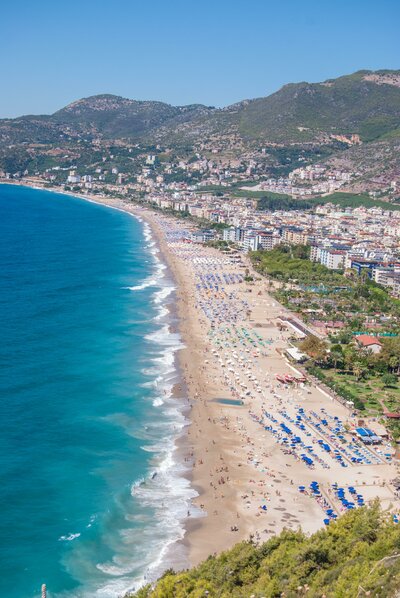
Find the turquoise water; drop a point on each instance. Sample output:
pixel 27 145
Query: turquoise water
pixel 86 370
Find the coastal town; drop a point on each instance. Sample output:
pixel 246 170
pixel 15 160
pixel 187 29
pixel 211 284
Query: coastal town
pixel 299 171
pixel 361 239
pixel 320 286
pixel 228 203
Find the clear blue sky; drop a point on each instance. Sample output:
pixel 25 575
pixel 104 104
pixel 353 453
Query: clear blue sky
pixel 214 52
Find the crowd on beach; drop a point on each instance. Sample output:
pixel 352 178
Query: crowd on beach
pixel 309 428
pixel 264 442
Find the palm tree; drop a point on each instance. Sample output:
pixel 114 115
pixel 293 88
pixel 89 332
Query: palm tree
pixel 335 357
pixel 394 363
pixel 359 370
pixel 349 358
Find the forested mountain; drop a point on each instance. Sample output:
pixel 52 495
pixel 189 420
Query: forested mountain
pixel 365 103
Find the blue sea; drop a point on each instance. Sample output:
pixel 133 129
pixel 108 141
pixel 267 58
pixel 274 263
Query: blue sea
pixel 93 495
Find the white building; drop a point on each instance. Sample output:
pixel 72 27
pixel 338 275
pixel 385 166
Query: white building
pixel 332 258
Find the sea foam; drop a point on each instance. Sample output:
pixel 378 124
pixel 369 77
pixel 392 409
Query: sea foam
pixel 165 492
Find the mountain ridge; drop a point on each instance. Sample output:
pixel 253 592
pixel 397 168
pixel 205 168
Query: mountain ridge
pixel 366 103
pixel 321 119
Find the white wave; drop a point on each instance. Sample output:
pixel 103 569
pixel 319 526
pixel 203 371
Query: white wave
pixel 160 335
pixel 166 360
pixel 149 384
pixel 91 521
pixel 114 570
pixel 165 498
pixel 160 266
pixel 149 282
pixel 167 344
pixel 168 495
pixel 161 295
pixel 163 312
pixel 138 482
pixel 68 538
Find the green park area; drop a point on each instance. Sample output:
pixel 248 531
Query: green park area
pixel 341 305
pixel 271 201
pixel 314 291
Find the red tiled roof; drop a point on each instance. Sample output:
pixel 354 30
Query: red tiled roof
pixel 366 340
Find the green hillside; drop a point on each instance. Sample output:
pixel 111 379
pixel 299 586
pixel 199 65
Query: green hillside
pixel 345 105
pixel 352 200
pixel 114 116
pixel 298 112
pixel 306 112
pixel 104 115
pixel 301 123
pixel 358 555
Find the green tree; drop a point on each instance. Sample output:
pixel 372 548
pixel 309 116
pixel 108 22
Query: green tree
pixel 350 356
pixel 360 549
pixel 359 370
pixel 314 347
pixel 336 358
pixel 389 379
pixel 390 353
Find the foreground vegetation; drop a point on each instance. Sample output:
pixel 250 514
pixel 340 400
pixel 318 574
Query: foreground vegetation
pixel 355 556
pixel 370 381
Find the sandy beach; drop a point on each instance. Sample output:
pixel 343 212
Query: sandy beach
pixel 248 483
pixel 255 444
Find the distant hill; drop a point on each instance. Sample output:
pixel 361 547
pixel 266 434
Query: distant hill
pixel 366 103
pixel 105 116
pixel 354 104
pixel 114 116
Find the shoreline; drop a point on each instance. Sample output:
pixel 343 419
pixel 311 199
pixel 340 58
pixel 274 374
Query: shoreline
pixel 198 541
pixel 174 552
pixel 243 476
